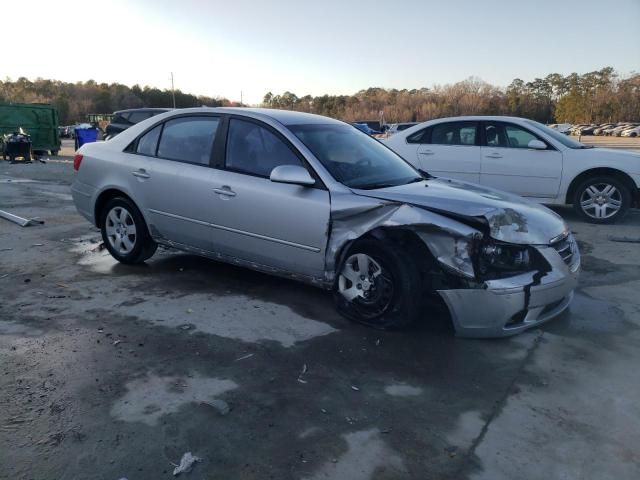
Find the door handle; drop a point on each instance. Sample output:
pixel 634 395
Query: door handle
pixel 140 173
pixel 493 155
pixel 225 190
pixel 426 152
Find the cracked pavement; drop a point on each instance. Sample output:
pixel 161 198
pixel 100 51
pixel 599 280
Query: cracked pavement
pixel 110 371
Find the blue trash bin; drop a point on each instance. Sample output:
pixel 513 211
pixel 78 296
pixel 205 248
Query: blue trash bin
pixel 85 135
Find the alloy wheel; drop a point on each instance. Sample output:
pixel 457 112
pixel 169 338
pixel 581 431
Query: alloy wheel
pixel 121 230
pixel 601 200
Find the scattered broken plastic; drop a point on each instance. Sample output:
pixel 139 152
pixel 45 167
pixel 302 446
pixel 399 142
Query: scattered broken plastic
pixel 186 464
pixel 220 405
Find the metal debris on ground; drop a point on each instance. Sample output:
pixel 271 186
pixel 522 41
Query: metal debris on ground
pixel 5 249
pixel 624 239
pixel 117 342
pixel 353 387
pixel 186 464
pixel 37 245
pixel 249 355
pixel 23 222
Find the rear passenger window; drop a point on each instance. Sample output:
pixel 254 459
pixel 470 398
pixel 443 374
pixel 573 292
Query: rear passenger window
pixel 255 150
pixel 454 133
pixel 149 141
pixel 121 118
pixel 188 139
pixel 136 117
pixel 421 136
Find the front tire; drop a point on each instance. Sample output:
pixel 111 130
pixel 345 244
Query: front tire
pixel 602 199
pixel 378 286
pixel 125 233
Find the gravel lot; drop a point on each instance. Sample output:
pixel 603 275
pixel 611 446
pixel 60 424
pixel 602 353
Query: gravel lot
pixel 109 371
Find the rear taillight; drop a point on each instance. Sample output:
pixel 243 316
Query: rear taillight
pixel 77 160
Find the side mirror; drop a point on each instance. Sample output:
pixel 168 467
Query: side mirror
pixel 293 174
pixel 537 145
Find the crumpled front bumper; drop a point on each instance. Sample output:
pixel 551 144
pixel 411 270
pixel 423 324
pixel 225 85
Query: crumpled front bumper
pixel 509 306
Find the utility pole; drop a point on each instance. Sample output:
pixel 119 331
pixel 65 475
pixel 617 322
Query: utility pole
pixel 173 92
pixel 240 97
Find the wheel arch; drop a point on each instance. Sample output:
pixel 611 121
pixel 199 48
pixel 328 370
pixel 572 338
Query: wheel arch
pixel 403 237
pixel 104 197
pixel 600 171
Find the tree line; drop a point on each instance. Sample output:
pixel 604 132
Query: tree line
pixel 75 100
pixel 595 97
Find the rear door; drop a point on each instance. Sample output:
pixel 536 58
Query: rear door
pixel 509 164
pixel 451 149
pixel 173 173
pixel 273 224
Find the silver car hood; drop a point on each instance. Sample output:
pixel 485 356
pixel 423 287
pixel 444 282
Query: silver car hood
pixel 510 218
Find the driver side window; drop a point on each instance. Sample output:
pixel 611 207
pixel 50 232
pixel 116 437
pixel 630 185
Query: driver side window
pixel 507 135
pixel 254 150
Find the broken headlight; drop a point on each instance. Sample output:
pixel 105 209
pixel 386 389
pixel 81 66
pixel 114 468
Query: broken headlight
pixel 505 258
pixel 454 253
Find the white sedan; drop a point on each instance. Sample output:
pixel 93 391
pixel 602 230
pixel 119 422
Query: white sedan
pixel 527 158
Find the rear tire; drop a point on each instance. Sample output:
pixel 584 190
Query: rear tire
pixel 602 199
pixel 125 233
pixel 391 284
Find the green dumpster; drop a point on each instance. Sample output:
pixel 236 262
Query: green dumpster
pixel 38 120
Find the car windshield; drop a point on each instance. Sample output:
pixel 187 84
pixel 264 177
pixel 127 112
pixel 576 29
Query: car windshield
pixel 354 158
pixel 556 135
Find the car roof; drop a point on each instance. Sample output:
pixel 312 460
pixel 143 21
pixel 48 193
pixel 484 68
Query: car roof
pixel 285 117
pixel 479 117
pixel 144 109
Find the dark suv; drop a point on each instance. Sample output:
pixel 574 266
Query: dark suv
pixel 123 119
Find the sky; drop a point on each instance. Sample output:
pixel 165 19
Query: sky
pixel 223 47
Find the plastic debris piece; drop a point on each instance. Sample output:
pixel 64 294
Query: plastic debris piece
pixel 186 464
pixel 220 405
pixel 117 342
pixel 189 310
pixel 353 387
pixel 5 249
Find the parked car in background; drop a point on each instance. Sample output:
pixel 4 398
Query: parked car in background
pixel 619 133
pixel 314 199
pixel 614 131
pixel 124 119
pixel 399 127
pixel 527 158
pixel 631 132
pixel 600 130
pixel 562 127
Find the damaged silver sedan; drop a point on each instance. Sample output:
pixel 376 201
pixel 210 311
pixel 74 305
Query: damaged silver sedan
pixel 314 199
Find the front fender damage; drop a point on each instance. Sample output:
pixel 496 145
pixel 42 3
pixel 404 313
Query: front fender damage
pixel 508 305
pixel 352 217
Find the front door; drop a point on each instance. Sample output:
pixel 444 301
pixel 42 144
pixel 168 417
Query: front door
pixel 449 150
pixel 509 164
pixel 257 220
